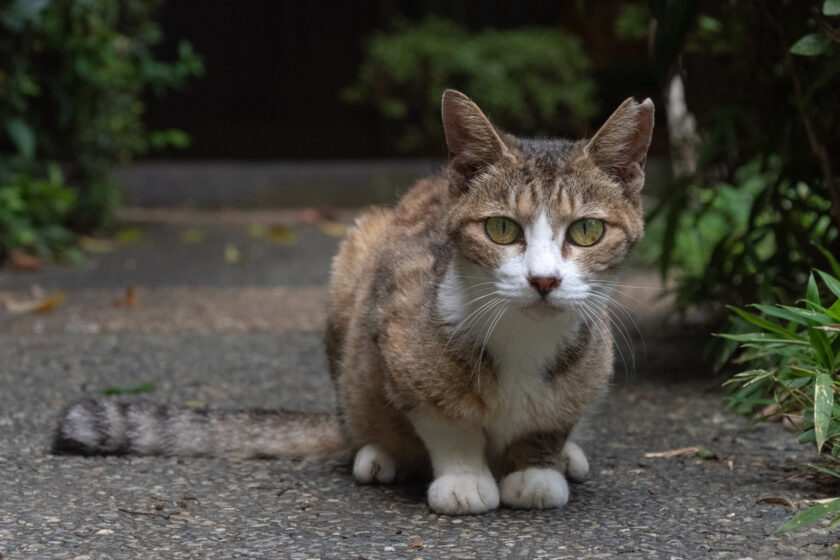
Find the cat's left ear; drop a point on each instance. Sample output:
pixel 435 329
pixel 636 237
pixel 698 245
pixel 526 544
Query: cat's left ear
pixel 620 146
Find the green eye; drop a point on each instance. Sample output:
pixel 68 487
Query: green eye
pixel 501 230
pixel 586 232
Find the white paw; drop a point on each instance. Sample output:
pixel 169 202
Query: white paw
pixel 463 494
pixel 573 462
pixel 372 464
pixel 535 488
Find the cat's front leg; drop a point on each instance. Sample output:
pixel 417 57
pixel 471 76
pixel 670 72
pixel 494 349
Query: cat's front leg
pixel 463 483
pixel 532 476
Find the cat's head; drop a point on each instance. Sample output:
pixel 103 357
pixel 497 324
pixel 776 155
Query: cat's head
pixel 544 221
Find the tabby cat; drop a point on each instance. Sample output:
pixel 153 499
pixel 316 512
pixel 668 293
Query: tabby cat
pixel 467 332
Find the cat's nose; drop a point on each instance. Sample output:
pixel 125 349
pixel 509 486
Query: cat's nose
pixel 544 284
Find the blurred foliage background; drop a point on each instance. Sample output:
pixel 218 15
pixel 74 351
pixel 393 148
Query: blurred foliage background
pixel 71 103
pixel 751 204
pixel 532 80
pixel 761 206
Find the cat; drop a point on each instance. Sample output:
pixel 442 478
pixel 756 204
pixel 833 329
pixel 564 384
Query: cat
pixel 468 327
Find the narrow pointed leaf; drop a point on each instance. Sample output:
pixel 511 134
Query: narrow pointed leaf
pixel 765 338
pixel 795 314
pixel 832 260
pixel 812 294
pixel 766 325
pixel 823 401
pixel 831 282
pixel 810 516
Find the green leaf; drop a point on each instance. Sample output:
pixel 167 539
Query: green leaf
pixel 22 137
pixel 832 283
pixel 823 401
pixel 808 436
pixel 145 387
pixel 766 325
pixel 813 44
pixel 812 294
pixel 821 346
pixel 833 312
pixel 760 337
pixel 706 454
pixel 825 470
pixel 810 516
pixel 797 315
pixel 831 8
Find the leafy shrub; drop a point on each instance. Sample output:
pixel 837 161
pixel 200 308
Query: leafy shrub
pixel 763 207
pixel 534 81
pixel 32 213
pixel 794 370
pixel 71 86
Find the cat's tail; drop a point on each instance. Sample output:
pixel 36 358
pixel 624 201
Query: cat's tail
pixel 106 427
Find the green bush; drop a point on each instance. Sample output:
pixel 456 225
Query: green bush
pixel 763 207
pixel 793 370
pixel 72 80
pixel 32 212
pixel 534 81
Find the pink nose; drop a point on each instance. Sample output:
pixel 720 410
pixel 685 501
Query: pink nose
pixel 544 284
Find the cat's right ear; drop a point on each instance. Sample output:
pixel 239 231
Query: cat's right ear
pixel 473 142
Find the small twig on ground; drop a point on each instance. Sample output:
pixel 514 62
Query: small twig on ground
pixel 778 501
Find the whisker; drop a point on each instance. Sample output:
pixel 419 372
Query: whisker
pixel 605 329
pixel 613 304
pixel 490 329
pixel 474 315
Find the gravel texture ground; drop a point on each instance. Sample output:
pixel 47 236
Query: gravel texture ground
pixel 246 333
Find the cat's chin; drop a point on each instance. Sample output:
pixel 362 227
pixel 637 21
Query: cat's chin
pixel 544 310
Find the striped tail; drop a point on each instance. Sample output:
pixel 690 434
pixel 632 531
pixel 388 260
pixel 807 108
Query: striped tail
pixel 105 427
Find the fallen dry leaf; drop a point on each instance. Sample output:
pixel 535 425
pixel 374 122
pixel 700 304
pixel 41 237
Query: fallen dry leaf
pixel 334 229
pixel 276 233
pixel 39 305
pixel 257 230
pixel 129 299
pixel 24 261
pixel 232 254
pixel 674 452
pixel 130 235
pixel 94 245
pixel 780 501
pixel 416 543
pixel 196 404
pixel 191 236
pixel 821 501
pixel 281 235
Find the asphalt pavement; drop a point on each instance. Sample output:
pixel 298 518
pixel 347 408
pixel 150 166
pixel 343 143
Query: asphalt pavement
pixel 225 310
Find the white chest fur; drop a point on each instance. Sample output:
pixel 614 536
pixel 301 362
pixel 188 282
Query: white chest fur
pixel 522 345
pixel 523 350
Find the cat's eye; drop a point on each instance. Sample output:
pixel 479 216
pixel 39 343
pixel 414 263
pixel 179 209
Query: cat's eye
pixel 586 232
pixel 501 230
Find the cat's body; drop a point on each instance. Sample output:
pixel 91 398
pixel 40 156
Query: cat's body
pixel 467 331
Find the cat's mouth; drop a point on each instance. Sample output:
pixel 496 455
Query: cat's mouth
pixel 544 309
